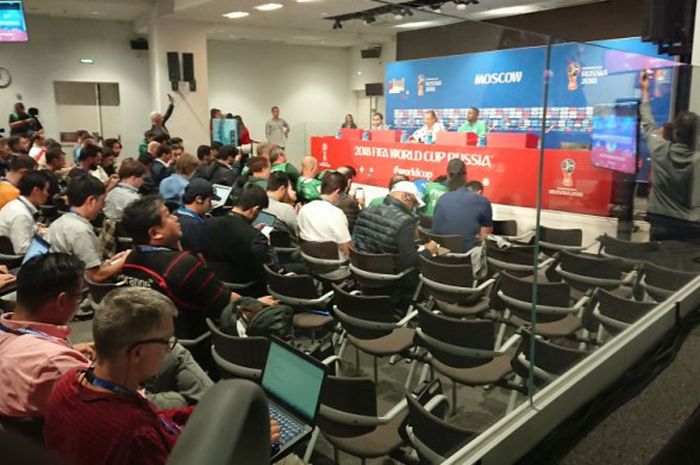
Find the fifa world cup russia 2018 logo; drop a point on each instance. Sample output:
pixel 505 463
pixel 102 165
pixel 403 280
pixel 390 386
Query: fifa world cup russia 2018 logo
pixel 324 149
pixel 573 71
pixel 568 167
pixel 421 85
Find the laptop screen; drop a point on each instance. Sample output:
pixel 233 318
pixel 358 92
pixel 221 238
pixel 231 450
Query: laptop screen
pixel 38 246
pixel 222 192
pixel 293 380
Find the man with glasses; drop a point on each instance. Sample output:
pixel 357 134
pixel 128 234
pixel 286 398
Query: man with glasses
pixel 96 414
pixel 35 350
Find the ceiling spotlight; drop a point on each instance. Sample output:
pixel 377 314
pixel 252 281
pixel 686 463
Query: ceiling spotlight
pixel 236 14
pixel 337 24
pixel 269 7
pixel 369 19
pixel 398 14
pixel 407 12
pixel 436 7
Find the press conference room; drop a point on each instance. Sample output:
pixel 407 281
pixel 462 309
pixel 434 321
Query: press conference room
pixel 349 231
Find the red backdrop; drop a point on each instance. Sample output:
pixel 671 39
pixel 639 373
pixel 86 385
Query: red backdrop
pixel 571 182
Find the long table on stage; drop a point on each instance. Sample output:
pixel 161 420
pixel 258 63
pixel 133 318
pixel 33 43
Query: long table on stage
pixel 510 175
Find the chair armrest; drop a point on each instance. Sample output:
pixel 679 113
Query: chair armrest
pixel 407 318
pixel 485 284
pixel 191 342
pixel 362 420
pixel 514 339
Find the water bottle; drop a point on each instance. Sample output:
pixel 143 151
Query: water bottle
pixel 404 137
pixel 337 134
pixel 365 135
pixel 429 138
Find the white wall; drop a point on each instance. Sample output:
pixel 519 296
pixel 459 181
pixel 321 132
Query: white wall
pixel 52 54
pixel 311 85
pixel 367 70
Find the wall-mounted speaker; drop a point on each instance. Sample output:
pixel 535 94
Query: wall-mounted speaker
pixel 188 70
pixel 139 44
pixel 174 69
pixel 373 52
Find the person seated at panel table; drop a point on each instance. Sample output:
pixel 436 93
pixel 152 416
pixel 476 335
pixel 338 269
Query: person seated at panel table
pixel 349 122
pixel 428 133
pixel 462 211
pixel 474 124
pixel 378 122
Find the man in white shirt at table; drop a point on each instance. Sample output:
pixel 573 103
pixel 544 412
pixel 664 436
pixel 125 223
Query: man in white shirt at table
pixel 428 133
pixel 17 217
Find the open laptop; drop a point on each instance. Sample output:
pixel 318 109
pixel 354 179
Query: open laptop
pixel 223 193
pixel 292 381
pixel 38 246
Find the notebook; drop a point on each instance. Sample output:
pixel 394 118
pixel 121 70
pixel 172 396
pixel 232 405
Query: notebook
pixel 292 381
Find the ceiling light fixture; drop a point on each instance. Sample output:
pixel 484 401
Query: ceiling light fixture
pixel 269 7
pixel 236 14
pixel 416 24
pixel 369 19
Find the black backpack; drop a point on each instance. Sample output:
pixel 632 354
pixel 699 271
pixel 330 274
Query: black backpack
pixel 272 320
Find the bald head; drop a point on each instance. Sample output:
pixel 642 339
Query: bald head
pixel 308 166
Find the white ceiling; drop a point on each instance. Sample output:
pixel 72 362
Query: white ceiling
pixel 301 23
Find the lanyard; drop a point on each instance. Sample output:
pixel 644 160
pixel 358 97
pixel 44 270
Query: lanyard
pixel 170 427
pixel 150 248
pixel 22 331
pixel 24 202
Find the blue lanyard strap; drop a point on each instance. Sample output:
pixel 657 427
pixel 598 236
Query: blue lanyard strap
pixel 151 248
pixel 22 331
pixel 190 213
pixel 104 384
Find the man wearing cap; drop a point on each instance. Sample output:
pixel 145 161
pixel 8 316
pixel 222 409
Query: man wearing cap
pixel 391 228
pixel 461 211
pixel 197 199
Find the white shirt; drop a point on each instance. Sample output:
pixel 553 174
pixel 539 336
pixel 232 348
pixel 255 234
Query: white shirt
pixel 381 127
pixel 17 223
pixel 420 134
pixel 321 221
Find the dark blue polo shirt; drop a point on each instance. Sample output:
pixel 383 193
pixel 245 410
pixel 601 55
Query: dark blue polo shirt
pixel 462 212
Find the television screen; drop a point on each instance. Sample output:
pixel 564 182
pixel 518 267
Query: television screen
pixel 615 136
pixel 13 27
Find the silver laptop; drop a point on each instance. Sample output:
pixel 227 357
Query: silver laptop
pixel 292 381
pixel 222 192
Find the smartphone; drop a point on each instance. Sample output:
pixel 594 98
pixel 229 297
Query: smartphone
pixel 268 219
pixel 359 193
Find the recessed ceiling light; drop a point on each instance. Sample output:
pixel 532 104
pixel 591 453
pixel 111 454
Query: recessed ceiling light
pixel 269 6
pixel 416 24
pixel 95 12
pixel 306 1
pixel 236 14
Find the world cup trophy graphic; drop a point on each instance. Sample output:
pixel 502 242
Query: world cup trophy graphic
pixel 568 167
pixel 573 71
pixel 421 85
pixel 324 149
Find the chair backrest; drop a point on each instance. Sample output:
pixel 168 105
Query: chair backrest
pixel 632 253
pixel 6 246
pixel 521 258
pixel 661 282
pixel 247 353
pixel 454 242
pixel 296 286
pixel 505 227
pixel 548 294
pixel 475 334
pixel 375 263
pixel 459 275
pixel 99 290
pixel 550 358
pixel 281 239
pixel 581 266
pixel 441 438
pixel 362 316
pixel 31 428
pixel 562 237
pixel 324 251
pixel 351 395
pixel 623 311
pixel 231 424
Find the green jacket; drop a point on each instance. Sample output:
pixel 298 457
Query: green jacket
pixel 309 189
pixel 433 192
pixel 288 168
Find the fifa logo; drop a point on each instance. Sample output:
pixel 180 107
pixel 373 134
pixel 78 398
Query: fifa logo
pixel 573 71
pixel 421 85
pixel 324 149
pixel 568 167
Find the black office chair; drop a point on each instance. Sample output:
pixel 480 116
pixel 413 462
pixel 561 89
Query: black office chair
pixel 586 272
pixel 8 257
pixel 660 283
pixel 505 228
pixel 324 261
pixel 632 254
pixel 517 259
pixel 238 357
pixel 616 314
pixel 376 274
pixel 553 240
